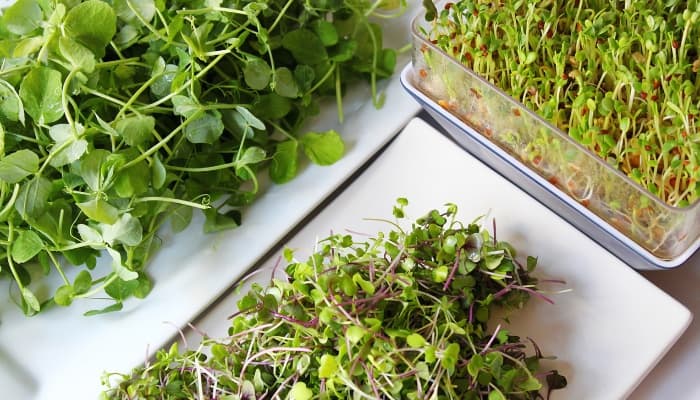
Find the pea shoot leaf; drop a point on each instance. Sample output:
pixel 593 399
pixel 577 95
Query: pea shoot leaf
pixel 133 181
pixel 122 272
pixel 285 84
pixel 132 11
pixel 216 221
pixel 22 17
pixel 33 197
pixel 206 128
pixel 111 308
pixel 82 282
pixel 305 46
pixel 92 23
pixel 40 92
pixel 136 130
pixel 27 245
pixel 326 32
pixel 99 210
pixel 64 295
pixel 283 166
pixel 273 106
pixel 90 235
pixel 18 165
pixel 69 145
pixel 11 106
pixel 158 173
pixel 79 56
pixel 126 230
pixel 185 106
pixel 180 218
pixel 30 299
pixel 92 169
pixel 344 50
pixel 245 118
pixel 304 76
pixel 257 73
pixel 323 148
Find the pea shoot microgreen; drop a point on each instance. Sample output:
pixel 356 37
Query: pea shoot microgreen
pixel 405 314
pixel 119 116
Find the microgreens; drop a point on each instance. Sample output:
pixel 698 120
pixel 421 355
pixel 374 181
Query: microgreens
pixel 620 78
pixel 405 314
pixel 119 116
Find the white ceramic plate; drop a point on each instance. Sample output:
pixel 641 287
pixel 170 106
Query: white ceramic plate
pixel 61 354
pixel 608 332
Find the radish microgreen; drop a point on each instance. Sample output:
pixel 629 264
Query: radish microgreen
pixel 369 319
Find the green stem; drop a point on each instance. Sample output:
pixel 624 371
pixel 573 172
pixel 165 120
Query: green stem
pixel 64 99
pixel 144 22
pixel 137 94
pixel 338 95
pixel 5 213
pixel 112 277
pixel 199 75
pixel 172 200
pixel 202 169
pixel 10 262
pixel 161 143
pixel 283 11
pixel 324 78
pixel 57 265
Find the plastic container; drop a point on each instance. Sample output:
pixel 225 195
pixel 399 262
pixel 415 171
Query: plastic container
pixel 546 162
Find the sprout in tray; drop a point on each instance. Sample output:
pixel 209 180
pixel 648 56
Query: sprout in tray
pixel 621 78
pixel 405 314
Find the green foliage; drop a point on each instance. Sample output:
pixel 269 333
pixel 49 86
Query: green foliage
pixel 117 116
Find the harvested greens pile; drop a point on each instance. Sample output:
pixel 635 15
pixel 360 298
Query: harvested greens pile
pixel 621 77
pixel 117 116
pixel 406 314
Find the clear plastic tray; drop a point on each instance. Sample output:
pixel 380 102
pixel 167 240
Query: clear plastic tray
pixel 598 192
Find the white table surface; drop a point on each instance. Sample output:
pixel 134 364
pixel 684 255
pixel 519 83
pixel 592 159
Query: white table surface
pixel 677 376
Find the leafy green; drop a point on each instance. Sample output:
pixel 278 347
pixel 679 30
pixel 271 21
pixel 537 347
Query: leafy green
pixel 306 46
pixel 119 116
pixel 27 245
pixel 92 23
pixel 18 165
pixel 323 148
pixel 40 92
pixel 284 163
pixel 22 17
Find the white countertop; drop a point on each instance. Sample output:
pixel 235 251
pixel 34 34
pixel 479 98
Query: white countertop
pixel 676 376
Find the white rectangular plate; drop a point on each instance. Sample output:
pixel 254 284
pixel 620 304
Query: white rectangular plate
pixel 607 333
pixel 60 354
